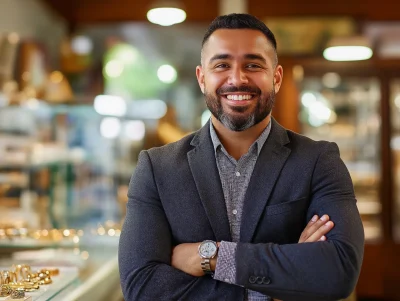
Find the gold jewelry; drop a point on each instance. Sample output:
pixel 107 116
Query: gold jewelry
pixel 13 276
pixel 27 286
pixel 25 271
pixel 45 281
pixel 31 287
pixel 32 276
pixel 18 293
pixel 15 285
pixel 16 268
pixel 5 290
pixel 50 272
pixel 5 275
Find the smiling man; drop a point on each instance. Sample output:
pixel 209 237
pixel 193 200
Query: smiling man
pixel 222 214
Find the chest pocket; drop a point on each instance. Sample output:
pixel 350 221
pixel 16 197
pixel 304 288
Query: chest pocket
pixel 282 223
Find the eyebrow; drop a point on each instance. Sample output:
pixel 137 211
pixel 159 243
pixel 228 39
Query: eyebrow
pixel 220 57
pixel 253 56
pixel 248 56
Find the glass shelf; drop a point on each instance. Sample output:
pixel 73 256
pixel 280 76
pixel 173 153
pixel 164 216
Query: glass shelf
pixel 348 113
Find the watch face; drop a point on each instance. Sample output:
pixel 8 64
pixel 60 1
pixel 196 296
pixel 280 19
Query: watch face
pixel 208 249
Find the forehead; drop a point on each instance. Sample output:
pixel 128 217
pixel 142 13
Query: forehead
pixel 237 42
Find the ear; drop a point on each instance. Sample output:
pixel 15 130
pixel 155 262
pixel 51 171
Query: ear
pixel 278 77
pixel 200 77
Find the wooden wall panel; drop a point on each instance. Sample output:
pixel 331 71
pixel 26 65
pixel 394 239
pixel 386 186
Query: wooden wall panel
pixel 361 9
pixel 92 11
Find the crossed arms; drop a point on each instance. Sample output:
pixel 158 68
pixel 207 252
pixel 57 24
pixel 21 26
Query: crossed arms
pixel 326 270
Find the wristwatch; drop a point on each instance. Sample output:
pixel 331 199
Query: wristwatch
pixel 208 249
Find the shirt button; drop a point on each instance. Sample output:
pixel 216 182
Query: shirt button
pixel 234 211
pixel 237 174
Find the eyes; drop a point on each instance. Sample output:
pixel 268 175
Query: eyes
pixel 249 66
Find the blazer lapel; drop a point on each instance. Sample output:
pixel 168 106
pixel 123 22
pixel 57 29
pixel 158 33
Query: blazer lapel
pixel 206 176
pixel 266 172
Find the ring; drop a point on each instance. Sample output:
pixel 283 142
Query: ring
pixel 18 293
pixel 5 290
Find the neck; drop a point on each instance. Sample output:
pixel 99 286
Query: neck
pixel 238 143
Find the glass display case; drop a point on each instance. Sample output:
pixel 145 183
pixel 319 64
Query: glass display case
pixel 346 110
pixel 395 148
pixel 357 105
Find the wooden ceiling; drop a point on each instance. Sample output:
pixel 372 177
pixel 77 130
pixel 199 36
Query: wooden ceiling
pixel 78 12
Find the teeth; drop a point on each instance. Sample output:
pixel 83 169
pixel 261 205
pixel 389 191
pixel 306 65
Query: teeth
pixel 239 97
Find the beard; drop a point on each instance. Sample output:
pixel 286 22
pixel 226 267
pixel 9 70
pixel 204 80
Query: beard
pixel 240 122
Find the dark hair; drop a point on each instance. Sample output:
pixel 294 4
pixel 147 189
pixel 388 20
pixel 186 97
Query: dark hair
pixel 239 21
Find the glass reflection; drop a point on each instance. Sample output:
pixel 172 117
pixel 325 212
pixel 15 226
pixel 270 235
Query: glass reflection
pixel 346 111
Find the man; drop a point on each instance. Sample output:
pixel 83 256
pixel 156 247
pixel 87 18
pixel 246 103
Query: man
pixel 218 215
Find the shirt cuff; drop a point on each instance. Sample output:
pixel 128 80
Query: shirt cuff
pixel 225 269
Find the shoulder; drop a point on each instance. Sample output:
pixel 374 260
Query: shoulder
pixel 172 151
pixel 304 143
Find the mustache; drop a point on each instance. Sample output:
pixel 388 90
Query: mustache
pixel 233 89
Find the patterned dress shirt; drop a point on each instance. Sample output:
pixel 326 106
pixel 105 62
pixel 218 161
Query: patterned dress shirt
pixel 235 178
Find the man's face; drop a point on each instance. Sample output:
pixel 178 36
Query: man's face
pixel 238 77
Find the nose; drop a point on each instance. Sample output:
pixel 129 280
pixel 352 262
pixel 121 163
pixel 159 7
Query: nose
pixel 237 77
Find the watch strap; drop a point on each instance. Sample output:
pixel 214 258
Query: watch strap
pixel 206 266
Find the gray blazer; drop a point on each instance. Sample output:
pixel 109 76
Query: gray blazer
pixel 175 196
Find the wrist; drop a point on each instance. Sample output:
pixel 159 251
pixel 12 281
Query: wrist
pixel 213 261
pixel 208 251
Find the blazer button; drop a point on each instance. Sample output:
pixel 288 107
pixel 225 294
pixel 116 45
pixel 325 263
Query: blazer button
pixel 260 280
pixel 252 279
pixel 266 280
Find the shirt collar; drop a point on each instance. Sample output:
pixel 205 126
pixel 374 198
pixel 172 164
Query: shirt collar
pixel 259 142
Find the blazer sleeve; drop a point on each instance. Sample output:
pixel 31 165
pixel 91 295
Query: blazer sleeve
pixel 145 250
pixel 312 271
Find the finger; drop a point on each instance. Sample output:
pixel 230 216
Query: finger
pixel 312 227
pixel 321 231
pixel 312 221
pixel 304 235
pixel 323 238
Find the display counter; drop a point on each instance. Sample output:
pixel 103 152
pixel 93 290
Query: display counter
pixel 89 272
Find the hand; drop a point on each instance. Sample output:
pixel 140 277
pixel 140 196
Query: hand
pixel 316 229
pixel 185 257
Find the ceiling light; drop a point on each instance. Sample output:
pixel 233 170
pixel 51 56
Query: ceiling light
pixel 166 12
pixel 348 49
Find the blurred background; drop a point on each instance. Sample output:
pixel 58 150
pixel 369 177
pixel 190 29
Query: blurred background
pixel 86 85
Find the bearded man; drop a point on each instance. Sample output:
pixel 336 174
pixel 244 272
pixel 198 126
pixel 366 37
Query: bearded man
pixel 243 209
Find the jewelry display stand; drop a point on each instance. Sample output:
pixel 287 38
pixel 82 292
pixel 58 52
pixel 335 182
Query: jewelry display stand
pixel 67 276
